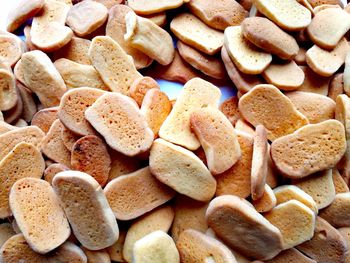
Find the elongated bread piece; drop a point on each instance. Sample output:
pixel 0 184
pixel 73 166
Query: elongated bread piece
pixel 147 7
pixel 81 195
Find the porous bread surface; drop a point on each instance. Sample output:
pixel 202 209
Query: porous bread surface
pixel 76 50
pixel 140 86
pixel 135 194
pixel 52 170
pixel 342 112
pixel 146 7
pixel 68 138
pixel 339 183
pixel 337 213
pixel 122 164
pixel 68 252
pixel 229 108
pixel 99 256
pixel 314 83
pixel 290 256
pixel 8 96
pixel 116 250
pixel 267 202
pixel 44 118
pixel 6 231
pixel 10 49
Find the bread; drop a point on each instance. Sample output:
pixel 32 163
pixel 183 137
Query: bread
pixel 116 250
pixel 44 118
pixel 29 105
pixel 140 86
pixel 342 112
pixel 337 212
pixel 144 7
pixel 9 96
pixel 68 252
pixel 68 138
pixel 6 231
pixel 122 164
pixel 314 83
pixel 100 256
pixel 158 18
pixel 11 48
pixel 76 50
pixel 345 232
pixel 339 183
pixel 267 202
pixel 52 170
pixel 289 256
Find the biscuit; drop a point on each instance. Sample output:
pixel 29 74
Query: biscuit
pixel 116 68
pixel 247 57
pixel 236 180
pixel 195 246
pixel 24 160
pixel 209 65
pixel 217 137
pixel 196 94
pixel 146 36
pixel 267 202
pixel 267 35
pixel 6 232
pixel 10 139
pixel 159 219
pixel 218 14
pixel 285 76
pixel 193 32
pixel 155 107
pixel 156 247
pixel 191 177
pixel 140 86
pixel 116 250
pixel 158 18
pixel 266 105
pixel 135 194
pixel 337 212
pixel 315 107
pixel 8 97
pixel 86 17
pixel 44 118
pixel 320 187
pixel 41 77
pixel 77 75
pixel 122 164
pixel 90 155
pixel 29 105
pixel 289 15
pixel 324 62
pixel 240 226
pixel 328 26
pixel 68 138
pixel 312 148
pixel 314 82
pixel 76 50
pixel 290 256
pixel 129 134
pixel 295 221
pixel 46 228
pixel 243 82
pixel 81 195
pixel 116 28
pixel 339 183
pixel 11 48
pixel 327 244
pixel 229 108
pixel 144 7
pixel 52 170
pixel 100 256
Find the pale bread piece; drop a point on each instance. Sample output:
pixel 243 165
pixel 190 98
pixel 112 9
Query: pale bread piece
pixel 28 38
pixel 339 183
pixel 290 256
pixel 159 219
pixel 135 194
pixel 18 72
pixel 310 149
pixel 195 246
pixel 6 231
pixel 86 17
pixel 218 14
pixel 109 3
pixel 77 75
pixel 68 138
pixel 140 86
pixel 259 163
pixel 247 57
pixel 288 14
pixel 90 155
pixel 320 187
pixel 41 77
pixel 315 107
pixel 324 6
pixel 229 108
pixel 99 256
pixel 11 48
pixel 156 247
pixel 24 160
pixel 29 105
pixel 155 107
pixel 159 19
pixel 295 221
pixel 48 31
pixel 315 3
pixel 285 193
pixel 217 137
pixel 147 7
pixel 267 202
pixel 116 250
pixel 300 58
pixel 191 177
pixel 285 76
pixel 346 75
pixel 81 195
pixel 327 244
pixel 193 32
pixel 10 139
pixel 5 127
pixel 209 65
pixel 128 134
pixel 52 145
pixel 243 82
pixel 23 11
pixel 314 83
pixel 189 214
pixel 68 252
pixel 52 170
pixel 342 112
pixel 146 36
pixel 324 62
pixel 116 28
pixel 21 123
pixel 8 94
pixel 196 94
pixel 76 50
pixel 236 180
pixel 345 232
pixel 122 164
pixel 73 106
pixel 337 213
pixel 116 68
pixel 46 228
pixel 44 118
pixel 328 26
pixel 266 105
pixel 14 114
pixel 240 226
pixel 268 36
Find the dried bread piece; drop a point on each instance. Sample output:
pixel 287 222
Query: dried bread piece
pixel 44 118
pixel 312 148
pixel 69 138
pixel 52 170
pixel 314 83
pixel 337 212
pixel 339 183
pixel 229 108
pixel 68 252
pixel 99 256
pixel 46 228
pixel 345 232
pixel 29 105
pixel 147 7
pixel 8 94
pixel 11 49
pixel 140 86
pixel 122 164
pixel 289 256
pixel 342 112
pixel 116 250
pixel 6 232
pixel 76 50
pixel 267 202
pixel 81 195
pixel 158 18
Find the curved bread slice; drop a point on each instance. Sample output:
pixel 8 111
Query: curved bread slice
pixel 337 212
pixel 140 86
pixel 8 98
pixel 44 118
pixel 267 202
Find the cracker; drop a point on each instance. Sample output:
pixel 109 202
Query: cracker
pixel 140 86
pixel 337 212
